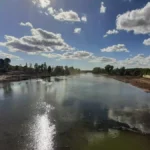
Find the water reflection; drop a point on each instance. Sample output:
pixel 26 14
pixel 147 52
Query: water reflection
pixel 87 108
pixel 136 118
pixel 93 136
pixel 97 116
pixel 94 114
pixel 7 88
pixel 43 130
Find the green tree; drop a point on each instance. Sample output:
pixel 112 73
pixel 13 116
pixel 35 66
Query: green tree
pixel 96 70
pixel 42 67
pixel 16 67
pixel 109 69
pixel 49 69
pixel 25 68
pixel 1 63
pixel 59 70
pixel 67 72
pixel 6 63
pixel 36 67
pixel 122 71
pixel 45 67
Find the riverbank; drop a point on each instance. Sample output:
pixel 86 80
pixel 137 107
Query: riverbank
pixel 20 77
pixel 140 82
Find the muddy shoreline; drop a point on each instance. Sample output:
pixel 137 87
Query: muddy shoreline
pixel 140 82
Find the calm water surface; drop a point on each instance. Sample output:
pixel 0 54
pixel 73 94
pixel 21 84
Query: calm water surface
pixel 83 112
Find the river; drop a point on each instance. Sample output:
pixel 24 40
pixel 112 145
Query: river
pixel 82 112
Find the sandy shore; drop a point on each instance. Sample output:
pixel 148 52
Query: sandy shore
pixel 139 82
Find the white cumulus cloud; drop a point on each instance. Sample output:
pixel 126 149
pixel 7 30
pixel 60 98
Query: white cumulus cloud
pixel 51 55
pixel 102 8
pixel 6 55
pixel 39 41
pixel 147 42
pixel 61 15
pixel 138 61
pixel 27 24
pixel 77 55
pixel 42 3
pixel 104 60
pixel 137 20
pixel 74 55
pixel 77 30
pixel 84 18
pixel 115 48
pixel 135 62
pixel 110 32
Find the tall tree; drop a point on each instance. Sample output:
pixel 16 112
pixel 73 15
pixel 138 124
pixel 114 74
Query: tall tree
pixel 122 71
pixel 36 67
pixel 1 63
pixel 6 63
pixel 45 67
pixel 42 67
pixel 25 68
pixel 49 69
pixel 67 72
pixel 109 69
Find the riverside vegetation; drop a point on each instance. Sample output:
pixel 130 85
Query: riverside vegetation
pixel 9 72
pixel 134 76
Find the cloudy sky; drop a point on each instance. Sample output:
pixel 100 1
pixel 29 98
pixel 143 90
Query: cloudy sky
pixel 79 33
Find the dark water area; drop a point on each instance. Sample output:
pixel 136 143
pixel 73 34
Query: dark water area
pixel 82 112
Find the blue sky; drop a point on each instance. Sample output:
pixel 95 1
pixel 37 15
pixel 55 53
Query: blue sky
pixel 83 34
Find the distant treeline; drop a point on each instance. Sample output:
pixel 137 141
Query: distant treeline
pixel 109 69
pixel 37 68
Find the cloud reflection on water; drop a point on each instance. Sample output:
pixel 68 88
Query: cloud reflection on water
pixel 135 118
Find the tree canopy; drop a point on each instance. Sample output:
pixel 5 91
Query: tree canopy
pixel 4 64
pixel 109 69
pixel 37 68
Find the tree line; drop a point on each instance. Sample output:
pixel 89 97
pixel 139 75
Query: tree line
pixel 109 69
pixel 4 64
pixel 43 68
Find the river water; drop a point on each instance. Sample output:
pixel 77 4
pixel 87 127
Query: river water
pixel 82 112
